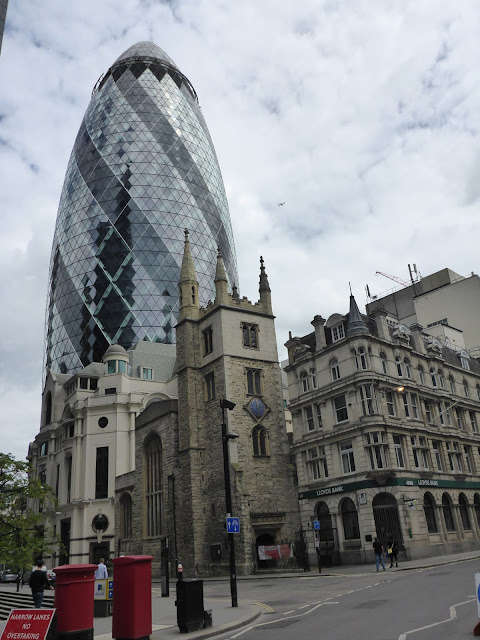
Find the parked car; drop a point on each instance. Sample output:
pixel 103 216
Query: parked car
pixel 8 576
pixel 51 577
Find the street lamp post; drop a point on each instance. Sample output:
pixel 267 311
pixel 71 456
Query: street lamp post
pixel 226 404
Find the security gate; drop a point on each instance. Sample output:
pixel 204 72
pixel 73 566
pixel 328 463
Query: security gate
pixel 387 522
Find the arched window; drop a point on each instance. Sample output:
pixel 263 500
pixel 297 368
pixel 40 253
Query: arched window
pixel 465 388
pixel 447 512
pixel 408 368
pixel 361 358
pixel 421 374
pixel 260 441
pixel 452 384
pixel 463 507
pixel 398 364
pixel 325 519
pixel 313 376
pixel 153 486
pixel 335 369
pixel 125 516
pixel 350 520
pixel 441 378
pixel 433 376
pixel 429 511
pixel 48 408
pixel 304 380
pixel 383 360
pixel 476 507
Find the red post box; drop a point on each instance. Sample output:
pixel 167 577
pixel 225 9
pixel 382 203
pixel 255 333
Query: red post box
pixel 132 598
pixel 74 587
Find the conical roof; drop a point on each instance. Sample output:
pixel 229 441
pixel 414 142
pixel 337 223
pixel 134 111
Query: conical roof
pixel 356 324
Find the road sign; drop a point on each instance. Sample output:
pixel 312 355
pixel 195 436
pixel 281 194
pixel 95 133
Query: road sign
pixel 316 524
pixel 233 525
pixel 28 623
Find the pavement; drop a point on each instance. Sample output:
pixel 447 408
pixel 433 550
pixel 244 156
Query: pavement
pixel 227 618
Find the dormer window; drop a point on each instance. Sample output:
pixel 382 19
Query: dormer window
pixel 338 332
pixel 147 373
pixel 464 360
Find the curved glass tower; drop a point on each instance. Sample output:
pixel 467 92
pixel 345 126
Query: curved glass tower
pixel 143 168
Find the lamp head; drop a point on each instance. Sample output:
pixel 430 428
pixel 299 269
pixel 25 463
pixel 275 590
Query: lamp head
pixel 226 404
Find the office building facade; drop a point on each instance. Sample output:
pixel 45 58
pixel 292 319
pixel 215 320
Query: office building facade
pixel 142 169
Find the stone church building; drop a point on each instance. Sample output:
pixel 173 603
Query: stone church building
pixel 173 503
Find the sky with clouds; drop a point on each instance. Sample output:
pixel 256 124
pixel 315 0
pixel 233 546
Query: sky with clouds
pixel 361 116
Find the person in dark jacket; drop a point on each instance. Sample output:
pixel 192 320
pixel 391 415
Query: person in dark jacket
pixel 378 549
pixel 393 552
pixel 38 582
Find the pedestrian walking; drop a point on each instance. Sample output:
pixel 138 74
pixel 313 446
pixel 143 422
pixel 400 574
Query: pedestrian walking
pixel 393 552
pixel 378 548
pixel 101 571
pixel 38 582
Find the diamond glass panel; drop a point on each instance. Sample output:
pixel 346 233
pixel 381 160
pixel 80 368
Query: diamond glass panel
pixel 143 169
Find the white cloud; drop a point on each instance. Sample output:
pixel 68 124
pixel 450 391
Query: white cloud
pixel 363 117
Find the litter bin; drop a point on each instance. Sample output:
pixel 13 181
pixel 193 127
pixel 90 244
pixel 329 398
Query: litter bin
pixel 189 605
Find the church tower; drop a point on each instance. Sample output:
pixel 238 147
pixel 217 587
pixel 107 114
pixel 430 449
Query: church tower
pixel 228 350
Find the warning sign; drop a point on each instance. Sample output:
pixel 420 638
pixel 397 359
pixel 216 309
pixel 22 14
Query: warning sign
pixel 28 624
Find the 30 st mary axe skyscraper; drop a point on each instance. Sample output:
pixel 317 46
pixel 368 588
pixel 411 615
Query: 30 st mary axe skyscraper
pixel 143 168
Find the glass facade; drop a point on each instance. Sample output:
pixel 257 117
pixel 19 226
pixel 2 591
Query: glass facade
pixel 143 169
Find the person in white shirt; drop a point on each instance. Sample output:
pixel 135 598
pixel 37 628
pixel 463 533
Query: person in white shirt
pixel 101 571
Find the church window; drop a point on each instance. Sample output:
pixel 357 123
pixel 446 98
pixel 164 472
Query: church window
pixel 153 487
pixel 207 340
pixel 210 386
pixel 260 441
pixel 254 381
pixel 250 335
pixel 125 516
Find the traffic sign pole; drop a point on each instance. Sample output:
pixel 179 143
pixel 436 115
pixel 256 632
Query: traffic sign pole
pixel 228 503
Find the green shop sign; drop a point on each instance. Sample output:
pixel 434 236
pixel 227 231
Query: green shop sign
pixel 391 482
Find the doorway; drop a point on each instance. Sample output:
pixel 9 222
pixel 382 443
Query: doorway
pixel 387 521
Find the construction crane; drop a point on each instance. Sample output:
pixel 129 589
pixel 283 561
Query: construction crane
pixel 394 278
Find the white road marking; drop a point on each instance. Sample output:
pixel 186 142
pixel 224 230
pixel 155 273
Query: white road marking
pixel 453 616
pixel 286 613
